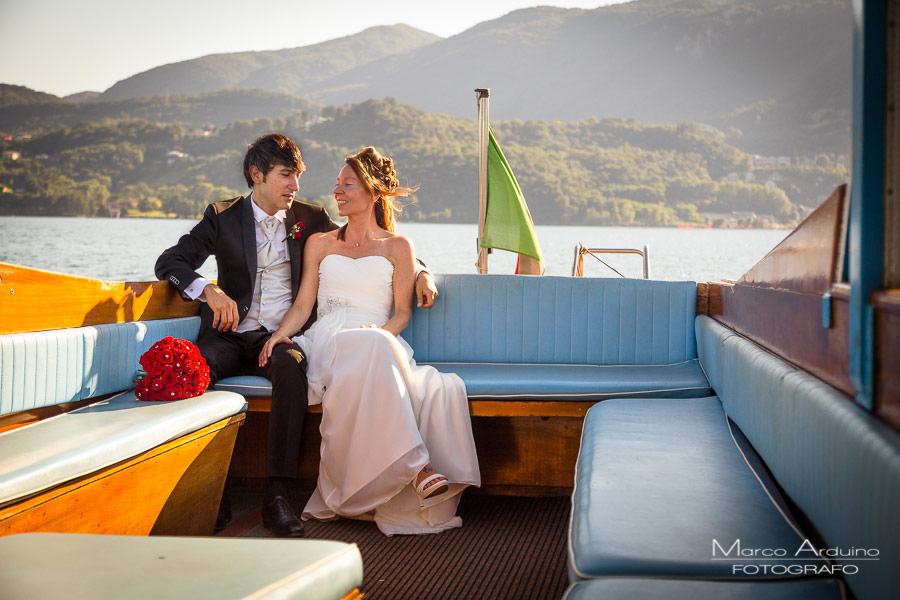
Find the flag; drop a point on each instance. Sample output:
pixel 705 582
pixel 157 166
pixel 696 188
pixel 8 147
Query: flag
pixel 507 222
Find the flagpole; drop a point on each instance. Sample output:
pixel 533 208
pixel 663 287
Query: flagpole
pixel 483 95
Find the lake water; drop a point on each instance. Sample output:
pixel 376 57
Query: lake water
pixel 126 249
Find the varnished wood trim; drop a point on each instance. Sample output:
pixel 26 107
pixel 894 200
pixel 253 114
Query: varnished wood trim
pixel 477 408
pixel 527 450
pixel 887 300
pixel 703 292
pixel 131 497
pixel 353 595
pixel 528 408
pixel 789 324
pixel 887 356
pixel 714 296
pixel 36 300
pixel 806 260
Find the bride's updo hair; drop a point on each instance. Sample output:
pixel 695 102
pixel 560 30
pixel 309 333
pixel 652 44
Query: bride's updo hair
pixel 376 172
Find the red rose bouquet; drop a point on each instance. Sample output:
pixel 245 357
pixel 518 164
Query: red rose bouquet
pixel 172 370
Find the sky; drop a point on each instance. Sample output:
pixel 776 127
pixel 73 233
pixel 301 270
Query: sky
pixel 63 46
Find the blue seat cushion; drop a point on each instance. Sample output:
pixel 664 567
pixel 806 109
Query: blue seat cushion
pixel 246 385
pixel 556 320
pixel 150 568
pixel 660 482
pixel 546 382
pixel 629 588
pixel 44 368
pixel 579 382
pixel 838 463
pixel 55 450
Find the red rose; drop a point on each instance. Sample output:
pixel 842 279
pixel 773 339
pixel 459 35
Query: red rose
pixel 173 369
pixel 296 231
pixel 175 392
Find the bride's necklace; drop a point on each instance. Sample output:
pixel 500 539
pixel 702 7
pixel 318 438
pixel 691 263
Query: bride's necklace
pixel 355 243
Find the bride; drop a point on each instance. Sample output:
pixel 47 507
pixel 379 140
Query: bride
pixel 397 440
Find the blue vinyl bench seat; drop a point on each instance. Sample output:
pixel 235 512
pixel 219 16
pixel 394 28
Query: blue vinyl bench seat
pixel 554 338
pixel 43 454
pixel 547 382
pixel 42 565
pixel 657 480
pixel 578 382
pixel 46 368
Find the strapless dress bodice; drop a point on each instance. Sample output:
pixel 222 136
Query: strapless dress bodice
pixel 361 287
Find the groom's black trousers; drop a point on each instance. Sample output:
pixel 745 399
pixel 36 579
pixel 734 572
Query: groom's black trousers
pixel 229 354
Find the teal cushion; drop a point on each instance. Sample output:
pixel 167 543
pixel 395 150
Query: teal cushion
pixel 112 352
pixel 556 320
pixel 579 382
pixel 86 567
pixel 45 368
pixel 656 482
pixel 836 461
pixel 49 452
pixel 246 385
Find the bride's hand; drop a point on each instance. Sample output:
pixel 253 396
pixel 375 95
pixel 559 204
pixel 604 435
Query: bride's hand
pixel 266 352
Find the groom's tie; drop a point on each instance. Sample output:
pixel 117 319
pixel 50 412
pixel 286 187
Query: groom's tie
pixel 267 254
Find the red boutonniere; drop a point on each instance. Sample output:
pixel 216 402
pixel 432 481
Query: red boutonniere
pixel 295 232
pixel 172 369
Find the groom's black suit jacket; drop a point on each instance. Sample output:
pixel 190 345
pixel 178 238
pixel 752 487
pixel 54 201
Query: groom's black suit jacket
pixel 227 231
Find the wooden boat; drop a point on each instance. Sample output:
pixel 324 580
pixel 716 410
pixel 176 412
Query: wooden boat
pixel 803 352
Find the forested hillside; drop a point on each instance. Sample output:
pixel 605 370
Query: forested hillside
pixel 609 171
pixel 212 108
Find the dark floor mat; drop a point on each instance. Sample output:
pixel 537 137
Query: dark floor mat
pixel 508 547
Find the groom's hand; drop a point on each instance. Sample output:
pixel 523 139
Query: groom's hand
pixel 426 290
pixel 225 312
pixel 266 351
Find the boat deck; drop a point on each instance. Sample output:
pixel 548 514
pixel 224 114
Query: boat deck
pixel 508 547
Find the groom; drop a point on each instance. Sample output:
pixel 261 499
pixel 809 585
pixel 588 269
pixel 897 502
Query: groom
pixel 258 244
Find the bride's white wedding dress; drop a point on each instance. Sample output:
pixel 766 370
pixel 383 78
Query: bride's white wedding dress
pixel 383 416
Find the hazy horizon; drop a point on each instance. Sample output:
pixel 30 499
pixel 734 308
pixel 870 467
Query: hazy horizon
pixel 64 48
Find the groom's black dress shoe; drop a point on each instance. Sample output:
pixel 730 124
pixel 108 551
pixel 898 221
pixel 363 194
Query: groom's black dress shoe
pixel 279 518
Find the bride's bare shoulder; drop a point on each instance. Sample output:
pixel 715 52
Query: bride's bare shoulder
pixel 400 246
pixel 320 242
pixel 322 237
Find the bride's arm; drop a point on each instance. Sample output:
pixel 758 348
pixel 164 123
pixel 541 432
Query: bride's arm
pixel 300 310
pixel 404 282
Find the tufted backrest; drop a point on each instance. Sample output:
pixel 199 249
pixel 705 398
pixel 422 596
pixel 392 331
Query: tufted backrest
pixel 64 365
pixel 840 465
pixel 556 320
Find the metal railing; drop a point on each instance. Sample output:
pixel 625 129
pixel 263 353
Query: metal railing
pixel 581 250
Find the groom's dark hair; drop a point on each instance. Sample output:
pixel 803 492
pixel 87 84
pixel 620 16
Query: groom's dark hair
pixel 269 150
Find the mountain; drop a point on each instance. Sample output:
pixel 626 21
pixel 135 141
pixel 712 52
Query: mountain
pixel 759 65
pixel 774 74
pixel 83 96
pixel 217 108
pixel 11 95
pixel 290 70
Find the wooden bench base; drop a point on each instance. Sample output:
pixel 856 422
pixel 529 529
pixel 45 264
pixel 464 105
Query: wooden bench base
pixel 173 489
pixel 525 447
